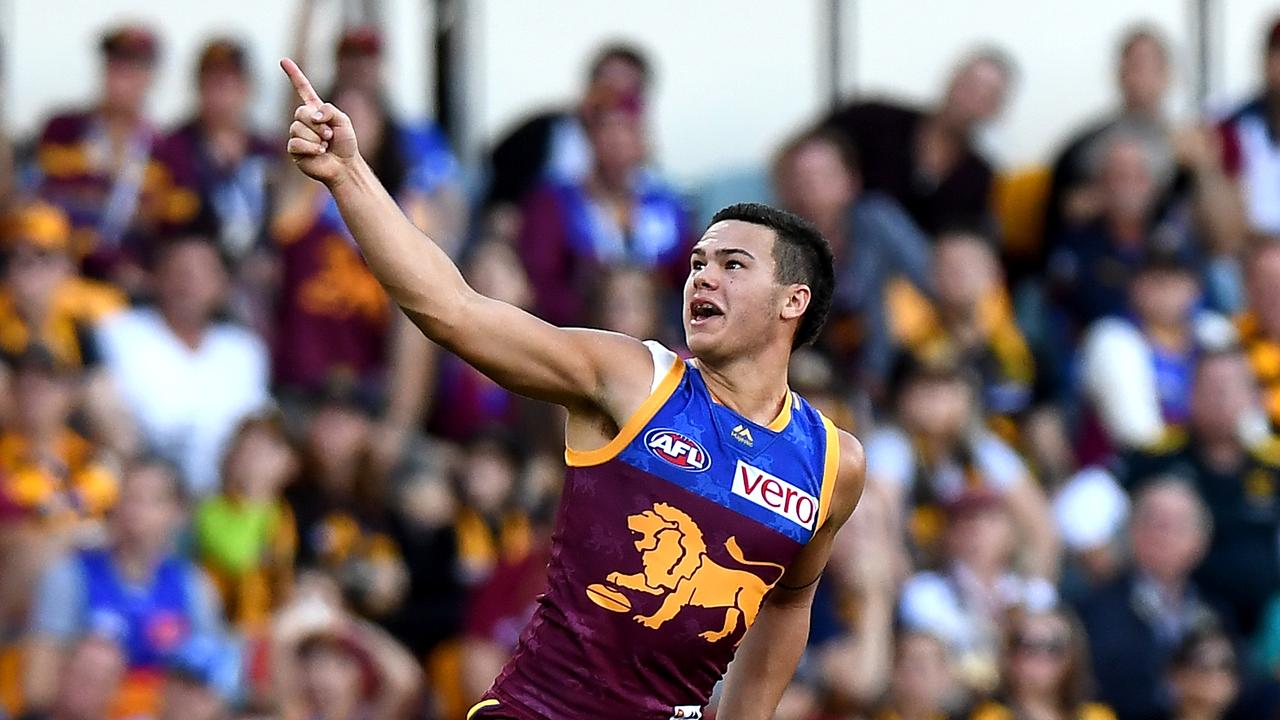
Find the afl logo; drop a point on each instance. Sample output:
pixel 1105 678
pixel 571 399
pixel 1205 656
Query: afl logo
pixel 677 449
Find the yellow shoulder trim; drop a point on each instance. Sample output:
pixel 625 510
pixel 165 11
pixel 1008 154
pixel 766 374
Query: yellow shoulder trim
pixel 480 706
pixel 779 423
pixel 634 424
pixel 830 471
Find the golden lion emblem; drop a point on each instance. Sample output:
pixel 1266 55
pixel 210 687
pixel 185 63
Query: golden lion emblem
pixel 674 558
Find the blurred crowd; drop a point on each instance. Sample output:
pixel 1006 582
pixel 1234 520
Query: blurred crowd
pixel 236 483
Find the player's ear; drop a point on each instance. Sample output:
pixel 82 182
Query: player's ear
pixel 796 301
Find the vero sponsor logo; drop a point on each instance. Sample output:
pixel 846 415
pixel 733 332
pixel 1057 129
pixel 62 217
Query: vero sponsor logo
pixel 679 450
pixel 775 494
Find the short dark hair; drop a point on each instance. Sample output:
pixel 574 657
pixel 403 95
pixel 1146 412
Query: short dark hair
pixel 801 254
pixel 627 53
pixel 819 135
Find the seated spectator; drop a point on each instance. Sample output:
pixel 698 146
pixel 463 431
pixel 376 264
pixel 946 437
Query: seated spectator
pixel 934 454
pixel 187 378
pixel 89 682
pixel 926 159
pixel 552 145
pixel 135 590
pixel 1047 672
pixel 1136 621
pixel 219 176
pixel 340 505
pixel 1204 675
pixel 331 665
pixel 1251 154
pixel 921 682
pixel 1136 369
pixel 970 601
pixel 1235 475
pixel 97 164
pixel 817 177
pixel 492 528
pixel 812 376
pixel 202 680
pixel 972 319
pixel 245 535
pixel 1090 510
pixel 621 213
pixel 1259 326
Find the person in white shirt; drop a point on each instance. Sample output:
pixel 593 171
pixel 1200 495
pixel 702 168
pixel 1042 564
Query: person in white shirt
pixel 187 379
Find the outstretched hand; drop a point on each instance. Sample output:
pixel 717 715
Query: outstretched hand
pixel 322 142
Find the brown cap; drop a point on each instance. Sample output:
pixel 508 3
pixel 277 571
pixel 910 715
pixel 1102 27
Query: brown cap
pixel 223 54
pixel 360 40
pixel 36 223
pixel 130 42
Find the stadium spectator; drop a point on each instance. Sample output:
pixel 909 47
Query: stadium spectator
pixel 89 682
pixel 971 598
pixel 1259 326
pixel 922 683
pixel 245 536
pixel 1136 621
pixel 1237 476
pixel 553 145
pixel 620 213
pixel 816 176
pixel 490 524
pixel 97 164
pixel 1251 154
pixel 187 378
pixel 1090 510
pixel 934 453
pixel 926 158
pixel 137 590
pixel 203 680
pixel 1204 675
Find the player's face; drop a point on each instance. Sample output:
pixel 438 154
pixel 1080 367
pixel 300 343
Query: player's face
pixel 732 300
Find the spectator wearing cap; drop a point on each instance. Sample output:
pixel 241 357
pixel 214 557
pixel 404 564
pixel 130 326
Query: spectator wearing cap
pixel 187 378
pixel 1136 368
pixel 1259 326
pixel 1227 455
pixel 620 213
pixel 203 680
pixel 1250 149
pixel 220 174
pixel 968 602
pixel 936 449
pixel 553 145
pixel 816 176
pixel 925 158
pixel 98 166
pixel 136 590
pixel 970 317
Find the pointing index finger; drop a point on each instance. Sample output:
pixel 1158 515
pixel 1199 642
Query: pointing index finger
pixel 300 83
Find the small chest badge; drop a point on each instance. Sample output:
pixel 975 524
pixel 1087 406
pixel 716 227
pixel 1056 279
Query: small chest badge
pixel 677 449
pixel 742 434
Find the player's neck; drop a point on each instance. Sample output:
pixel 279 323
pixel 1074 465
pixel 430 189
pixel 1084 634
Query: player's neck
pixel 754 387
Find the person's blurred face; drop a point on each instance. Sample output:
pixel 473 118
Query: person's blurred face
pixel 495 272
pixel 621 76
pixel 90 681
pixel 488 479
pixel 814 182
pixel 361 105
pixel 630 304
pixel 1224 391
pixel 33 275
pixel 1128 185
pixel 1144 75
pixel 125 85
pixel 1167 533
pixel 965 271
pixel 1040 654
pixel 921 675
pixel 1264 289
pixel 259 463
pixel 224 94
pixel 732 299
pixel 982 538
pixel 976 94
pixel 191 282
pixel 362 71
pixel 1271 71
pixel 617 144
pixel 1164 297
pixel 148 512
pixel 937 408
pixel 1209 682
pixel 43 401
pixel 336 439
pixel 330 678
pixel 188 700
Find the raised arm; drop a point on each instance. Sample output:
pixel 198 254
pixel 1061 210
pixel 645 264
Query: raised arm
pixel 575 368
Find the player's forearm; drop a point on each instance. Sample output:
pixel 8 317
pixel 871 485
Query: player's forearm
pixel 767 659
pixel 417 274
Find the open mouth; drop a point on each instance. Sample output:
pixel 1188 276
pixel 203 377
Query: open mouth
pixel 700 311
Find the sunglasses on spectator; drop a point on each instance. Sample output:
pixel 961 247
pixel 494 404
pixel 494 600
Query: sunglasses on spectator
pixel 1055 647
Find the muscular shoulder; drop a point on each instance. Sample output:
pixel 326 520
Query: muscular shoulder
pixel 850 478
